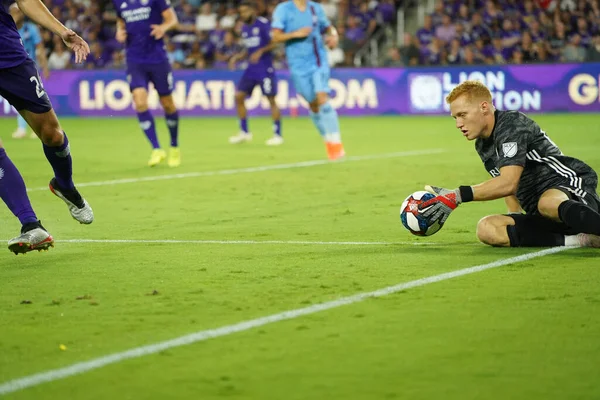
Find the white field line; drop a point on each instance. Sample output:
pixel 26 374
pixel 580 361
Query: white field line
pixel 292 242
pixel 235 171
pixel 86 366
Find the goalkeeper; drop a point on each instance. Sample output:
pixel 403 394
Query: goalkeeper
pixel 557 192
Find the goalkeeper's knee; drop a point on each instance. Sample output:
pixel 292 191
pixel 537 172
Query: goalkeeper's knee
pixel 491 230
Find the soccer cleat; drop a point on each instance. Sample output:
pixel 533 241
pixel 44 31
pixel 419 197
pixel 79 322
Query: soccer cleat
pixel 78 207
pixel 157 156
pixel 19 133
pixel 588 240
pixel 33 237
pixel 335 151
pixel 174 159
pixel 276 140
pixel 240 138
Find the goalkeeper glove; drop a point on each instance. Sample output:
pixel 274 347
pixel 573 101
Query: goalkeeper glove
pixel 446 201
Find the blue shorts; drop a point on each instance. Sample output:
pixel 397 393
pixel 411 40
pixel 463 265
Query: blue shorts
pixel 265 79
pixel 309 84
pixel 22 87
pixel 161 75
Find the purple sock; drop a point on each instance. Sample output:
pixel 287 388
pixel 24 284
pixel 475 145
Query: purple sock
pixel 62 163
pixel 244 125
pixel 13 192
pixel 147 125
pixel 173 125
pixel 277 127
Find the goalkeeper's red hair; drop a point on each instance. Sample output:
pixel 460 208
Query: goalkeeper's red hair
pixel 471 105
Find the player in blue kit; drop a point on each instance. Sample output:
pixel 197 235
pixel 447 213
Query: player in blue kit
pixel 21 86
pixel 256 36
pixel 32 41
pixel 301 24
pixel 141 25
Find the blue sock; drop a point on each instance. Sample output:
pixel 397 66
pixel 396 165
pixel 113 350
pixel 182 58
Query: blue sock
pixel 244 125
pixel 13 192
pixel 331 123
pixel 62 163
pixel 277 127
pixel 173 124
pixel 21 123
pixel 316 118
pixel 147 125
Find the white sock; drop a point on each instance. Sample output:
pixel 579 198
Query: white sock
pixel 333 137
pixel 572 241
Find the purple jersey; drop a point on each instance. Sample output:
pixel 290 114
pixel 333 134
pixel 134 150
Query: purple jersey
pixel 12 52
pixel 138 16
pixel 256 36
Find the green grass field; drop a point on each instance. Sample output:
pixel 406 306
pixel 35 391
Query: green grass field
pixel 259 241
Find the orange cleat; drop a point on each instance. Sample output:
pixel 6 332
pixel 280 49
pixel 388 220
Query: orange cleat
pixel 335 151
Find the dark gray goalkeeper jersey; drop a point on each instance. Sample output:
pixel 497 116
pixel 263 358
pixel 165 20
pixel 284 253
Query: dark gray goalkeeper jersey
pixel 518 140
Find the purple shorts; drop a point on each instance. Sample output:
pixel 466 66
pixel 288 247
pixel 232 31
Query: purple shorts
pixel 161 75
pixel 265 79
pixel 22 87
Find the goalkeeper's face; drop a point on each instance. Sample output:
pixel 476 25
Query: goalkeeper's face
pixel 470 115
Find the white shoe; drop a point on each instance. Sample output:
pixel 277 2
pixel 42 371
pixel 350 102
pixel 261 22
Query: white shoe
pixel 33 237
pixel 276 140
pixel 19 133
pixel 79 208
pixel 240 138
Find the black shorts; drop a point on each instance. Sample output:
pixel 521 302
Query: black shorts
pixel 590 198
pixel 22 87
pixel 581 188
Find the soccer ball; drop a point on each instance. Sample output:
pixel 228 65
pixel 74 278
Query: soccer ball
pixel 413 220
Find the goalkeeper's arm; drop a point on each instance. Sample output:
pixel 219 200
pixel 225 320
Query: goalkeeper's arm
pixel 513 205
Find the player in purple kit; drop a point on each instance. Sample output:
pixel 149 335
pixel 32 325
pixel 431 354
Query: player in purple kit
pixel 21 86
pixel 141 25
pixel 256 36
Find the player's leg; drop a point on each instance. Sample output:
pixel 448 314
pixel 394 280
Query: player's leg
pixel 328 115
pixel 578 213
pixel 138 78
pixel 245 87
pixel 303 85
pixel 524 230
pixel 277 138
pixel 58 153
pixel 140 100
pixel 32 102
pixel 21 130
pixel 268 86
pixel 162 78
pixel 323 117
pixel 13 193
pixel 243 134
pixel 172 118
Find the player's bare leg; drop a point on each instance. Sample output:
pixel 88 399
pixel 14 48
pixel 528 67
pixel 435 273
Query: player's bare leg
pixel 140 101
pixel 13 193
pixel 244 134
pixel 491 230
pixel 326 119
pixel 58 153
pixel 277 139
pixel 172 117
pixel 549 202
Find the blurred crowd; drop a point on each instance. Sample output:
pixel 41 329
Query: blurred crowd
pixel 208 32
pixel 503 32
